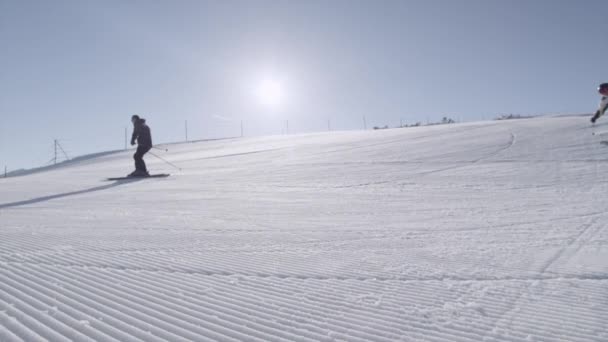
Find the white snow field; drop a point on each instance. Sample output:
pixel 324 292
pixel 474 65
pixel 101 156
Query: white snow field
pixel 491 231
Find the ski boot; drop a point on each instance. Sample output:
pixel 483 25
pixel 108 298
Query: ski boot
pixel 139 173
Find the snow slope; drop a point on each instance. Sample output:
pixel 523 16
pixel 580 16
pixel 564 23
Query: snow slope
pixel 492 231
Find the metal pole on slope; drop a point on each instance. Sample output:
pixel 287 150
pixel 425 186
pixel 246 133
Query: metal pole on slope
pixel 166 161
pixel 62 150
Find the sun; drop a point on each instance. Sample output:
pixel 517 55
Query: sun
pixel 270 92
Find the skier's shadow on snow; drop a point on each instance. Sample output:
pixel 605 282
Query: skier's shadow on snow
pixel 68 194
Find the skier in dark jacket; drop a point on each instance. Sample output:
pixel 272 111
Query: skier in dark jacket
pixel 603 90
pixel 141 134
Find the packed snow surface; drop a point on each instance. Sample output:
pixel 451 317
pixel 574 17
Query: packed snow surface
pixel 493 231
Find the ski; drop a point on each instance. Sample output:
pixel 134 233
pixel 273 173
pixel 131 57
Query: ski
pixel 158 175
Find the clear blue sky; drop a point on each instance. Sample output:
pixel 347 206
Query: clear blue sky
pixel 77 70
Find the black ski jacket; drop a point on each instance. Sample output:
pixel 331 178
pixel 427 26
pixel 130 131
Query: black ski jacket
pixel 141 132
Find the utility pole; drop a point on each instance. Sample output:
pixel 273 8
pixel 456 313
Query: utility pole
pixel 5 172
pixel 186 130
pixel 125 138
pixel 57 145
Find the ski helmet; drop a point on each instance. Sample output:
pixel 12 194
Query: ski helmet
pixel 603 89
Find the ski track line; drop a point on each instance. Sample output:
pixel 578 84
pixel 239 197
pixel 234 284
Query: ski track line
pixel 572 241
pixel 581 329
pixel 242 299
pixel 160 264
pixel 67 314
pixel 236 314
pixel 226 301
pixel 247 299
pixel 557 325
pixel 375 334
pixel 187 261
pixel 502 319
pixel 185 161
pixel 475 161
pixel 127 326
pixel 7 324
pixel 230 305
pixel 108 313
pixel 152 314
pixel 170 338
pixel 430 296
pixel 215 266
pixel 240 267
pixel 249 338
pixel 192 317
pixel 453 166
pixel 43 290
pixel 12 326
pixel 139 291
pixel 350 310
pixel 401 139
pixel 28 312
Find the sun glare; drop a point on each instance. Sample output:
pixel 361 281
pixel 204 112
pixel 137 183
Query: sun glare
pixel 270 93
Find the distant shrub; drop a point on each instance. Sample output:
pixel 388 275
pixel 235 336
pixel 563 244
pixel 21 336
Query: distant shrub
pixel 512 116
pixel 447 120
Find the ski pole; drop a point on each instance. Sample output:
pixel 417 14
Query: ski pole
pixel 162 149
pixel 166 161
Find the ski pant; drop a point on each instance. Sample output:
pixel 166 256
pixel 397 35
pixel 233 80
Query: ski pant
pixel 139 157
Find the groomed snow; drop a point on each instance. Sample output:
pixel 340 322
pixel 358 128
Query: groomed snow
pixel 493 231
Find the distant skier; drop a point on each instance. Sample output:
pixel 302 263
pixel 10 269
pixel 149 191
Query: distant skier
pixel 141 133
pixel 603 90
